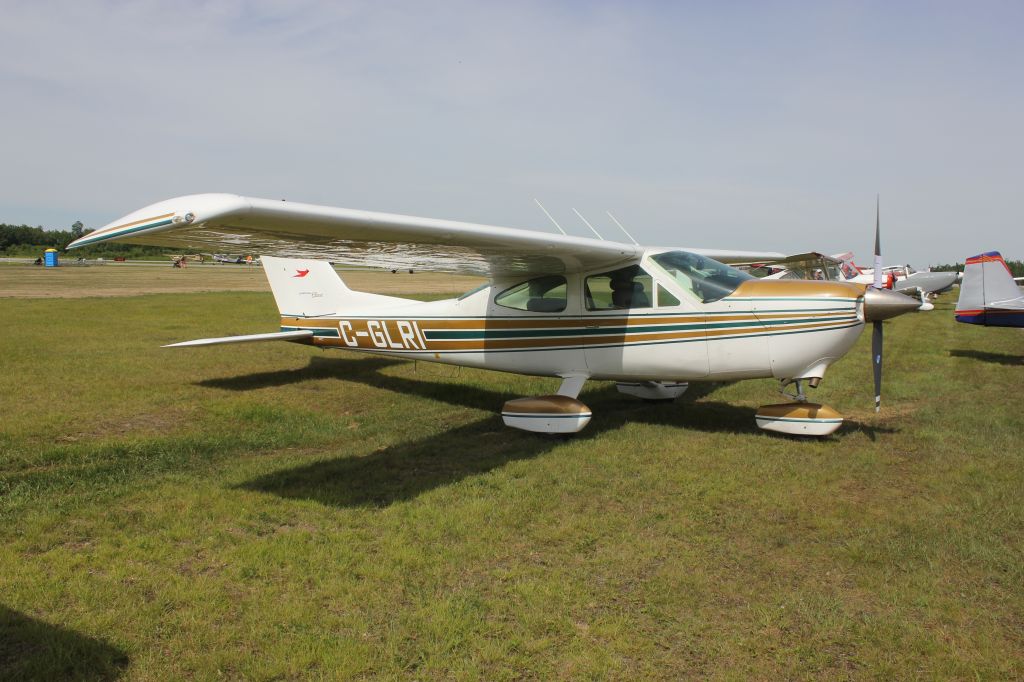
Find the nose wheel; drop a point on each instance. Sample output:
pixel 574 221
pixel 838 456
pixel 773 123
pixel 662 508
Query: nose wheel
pixel 799 417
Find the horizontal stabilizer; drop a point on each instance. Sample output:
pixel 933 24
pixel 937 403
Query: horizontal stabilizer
pixel 249 338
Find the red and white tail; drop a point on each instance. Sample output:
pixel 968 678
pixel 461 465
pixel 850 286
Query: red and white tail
pixel 988 293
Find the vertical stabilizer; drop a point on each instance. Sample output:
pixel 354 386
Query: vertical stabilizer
pixel 987 288
pixel 305 287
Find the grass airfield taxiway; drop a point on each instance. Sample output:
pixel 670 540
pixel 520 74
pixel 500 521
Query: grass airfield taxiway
pixel 276 511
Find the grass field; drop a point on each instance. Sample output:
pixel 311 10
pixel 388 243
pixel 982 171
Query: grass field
pixel 277 512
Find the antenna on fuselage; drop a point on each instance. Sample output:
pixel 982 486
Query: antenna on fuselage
pixel 622 228
pixel 553 221
pixel 587 223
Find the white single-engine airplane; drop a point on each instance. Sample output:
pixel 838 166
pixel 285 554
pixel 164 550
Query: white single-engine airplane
pixel 651 319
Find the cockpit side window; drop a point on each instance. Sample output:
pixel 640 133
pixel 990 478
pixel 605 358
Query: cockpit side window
pixel 539 295
pixel 708 279
pixel 626 288
pixel 665 297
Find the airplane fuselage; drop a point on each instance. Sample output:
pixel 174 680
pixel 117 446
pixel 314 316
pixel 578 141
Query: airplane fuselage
pixel 787 329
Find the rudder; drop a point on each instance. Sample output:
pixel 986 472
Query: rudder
pixel 987 282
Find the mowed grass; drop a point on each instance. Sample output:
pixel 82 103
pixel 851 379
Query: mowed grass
pixel 273 511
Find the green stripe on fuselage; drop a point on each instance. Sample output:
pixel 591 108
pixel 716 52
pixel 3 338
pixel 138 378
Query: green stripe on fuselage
pixel 317 331
pixel 465 335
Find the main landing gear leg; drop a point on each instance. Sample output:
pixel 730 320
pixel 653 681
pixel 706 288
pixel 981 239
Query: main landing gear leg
pixel 925 303
pixel 572 384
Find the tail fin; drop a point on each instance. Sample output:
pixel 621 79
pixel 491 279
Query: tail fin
pixel 987 283
pixel 305 287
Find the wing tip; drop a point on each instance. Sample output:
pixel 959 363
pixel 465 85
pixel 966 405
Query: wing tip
pixel 166 214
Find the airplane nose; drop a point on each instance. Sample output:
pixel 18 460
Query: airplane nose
pixel 881 304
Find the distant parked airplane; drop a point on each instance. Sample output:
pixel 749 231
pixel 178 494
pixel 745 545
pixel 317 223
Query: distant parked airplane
pixel 841 268
pixel 989 295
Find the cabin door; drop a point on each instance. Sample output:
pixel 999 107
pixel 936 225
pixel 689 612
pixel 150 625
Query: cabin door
pixel 635 328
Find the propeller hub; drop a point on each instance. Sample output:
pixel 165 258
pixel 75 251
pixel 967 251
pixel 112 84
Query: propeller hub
pixel 882 304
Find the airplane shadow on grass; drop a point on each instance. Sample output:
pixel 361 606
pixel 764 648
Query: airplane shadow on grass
pixel 33 650
pixel 405 470
pixel 984 356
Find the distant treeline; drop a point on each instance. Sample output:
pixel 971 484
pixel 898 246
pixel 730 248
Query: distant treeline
pixel 26 241
pixel 1016 267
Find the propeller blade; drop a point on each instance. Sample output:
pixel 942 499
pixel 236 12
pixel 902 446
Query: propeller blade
pixel 878 248
pixel 876 332
pixel 876 359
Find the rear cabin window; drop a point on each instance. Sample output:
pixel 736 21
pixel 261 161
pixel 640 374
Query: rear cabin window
pixel 540 295
pixel 626 288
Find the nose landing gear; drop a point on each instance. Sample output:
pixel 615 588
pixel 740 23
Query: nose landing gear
pixel 799 417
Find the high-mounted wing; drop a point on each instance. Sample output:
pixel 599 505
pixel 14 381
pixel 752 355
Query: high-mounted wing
pixel 227 222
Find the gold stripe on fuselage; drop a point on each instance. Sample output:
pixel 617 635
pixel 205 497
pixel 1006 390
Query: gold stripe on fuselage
pixel 385 335
pixel 505 323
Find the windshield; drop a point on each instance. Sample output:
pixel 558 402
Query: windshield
pixel 708 279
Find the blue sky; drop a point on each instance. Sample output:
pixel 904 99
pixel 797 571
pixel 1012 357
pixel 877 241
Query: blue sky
pixel 721 124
